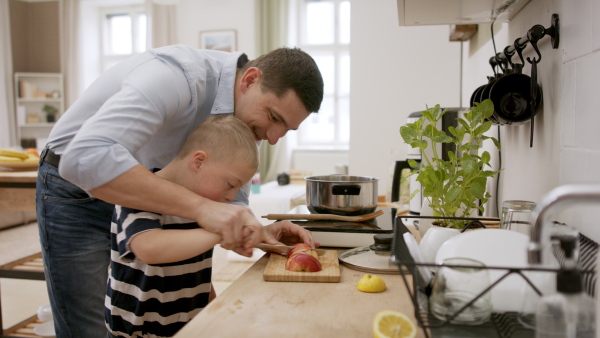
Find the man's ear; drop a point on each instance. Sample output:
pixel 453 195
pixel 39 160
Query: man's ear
pixel 250 77
pixel 198 158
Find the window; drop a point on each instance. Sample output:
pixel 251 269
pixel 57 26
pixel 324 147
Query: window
pixel 123 33
pixel 322 29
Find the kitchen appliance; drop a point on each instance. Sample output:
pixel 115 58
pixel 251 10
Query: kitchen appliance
pixel 341 194
pixel 330 233
pixel 402 169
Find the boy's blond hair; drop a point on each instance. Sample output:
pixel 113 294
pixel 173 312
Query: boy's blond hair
pixel 224 138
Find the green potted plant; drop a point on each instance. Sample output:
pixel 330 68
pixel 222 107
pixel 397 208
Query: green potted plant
pixel 456 186
pixel 51 112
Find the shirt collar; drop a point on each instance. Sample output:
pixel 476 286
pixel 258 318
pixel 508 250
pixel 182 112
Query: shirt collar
pixel 224 103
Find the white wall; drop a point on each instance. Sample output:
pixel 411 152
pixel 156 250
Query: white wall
pixel 194 16
pixel 395 71
pixel 566 145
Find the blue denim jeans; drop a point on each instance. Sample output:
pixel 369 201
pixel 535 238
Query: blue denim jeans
pixel 75 238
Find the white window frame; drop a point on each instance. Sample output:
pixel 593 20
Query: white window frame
pixel 338 50
pixel 135 12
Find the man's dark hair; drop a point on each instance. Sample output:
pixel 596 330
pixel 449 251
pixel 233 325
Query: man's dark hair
pixel 291 68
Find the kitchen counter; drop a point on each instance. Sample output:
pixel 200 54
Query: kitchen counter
pixel 17 190
pixel 251 307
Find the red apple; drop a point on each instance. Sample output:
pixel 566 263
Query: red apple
pixel 299 247
pixel 302 261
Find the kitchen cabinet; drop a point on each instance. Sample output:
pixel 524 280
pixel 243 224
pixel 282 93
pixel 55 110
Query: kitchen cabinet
pixel 39 102
pixel 456 12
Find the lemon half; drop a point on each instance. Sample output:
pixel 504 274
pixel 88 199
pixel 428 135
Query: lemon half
pixel 371 283
pixel 393 324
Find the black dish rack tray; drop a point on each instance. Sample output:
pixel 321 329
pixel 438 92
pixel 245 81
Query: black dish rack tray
pixel 503 325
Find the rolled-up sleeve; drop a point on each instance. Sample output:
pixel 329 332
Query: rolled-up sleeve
pixel 104 146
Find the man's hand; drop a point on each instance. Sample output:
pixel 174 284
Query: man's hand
pixel 140 189
pixel 239 229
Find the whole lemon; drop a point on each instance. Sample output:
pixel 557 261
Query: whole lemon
pixel 371 283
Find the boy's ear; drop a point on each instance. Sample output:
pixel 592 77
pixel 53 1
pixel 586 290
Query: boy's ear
pixel 250 77
pixel 198 158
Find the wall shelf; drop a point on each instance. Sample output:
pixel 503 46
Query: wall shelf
pixel 456 12
pixel 33 92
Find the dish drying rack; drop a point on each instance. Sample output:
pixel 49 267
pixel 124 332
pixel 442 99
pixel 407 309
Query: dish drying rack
pixel 503 325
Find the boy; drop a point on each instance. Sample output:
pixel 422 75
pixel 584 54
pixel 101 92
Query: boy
pixel 161 265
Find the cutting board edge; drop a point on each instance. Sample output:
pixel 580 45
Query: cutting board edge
pixel 275 271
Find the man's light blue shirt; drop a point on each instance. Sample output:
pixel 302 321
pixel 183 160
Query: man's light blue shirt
pixel 141 112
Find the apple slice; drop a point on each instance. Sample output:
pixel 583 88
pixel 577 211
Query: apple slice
pixel 303 247
pixel 302 261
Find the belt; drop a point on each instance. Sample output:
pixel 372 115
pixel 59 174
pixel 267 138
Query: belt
pixel 50 157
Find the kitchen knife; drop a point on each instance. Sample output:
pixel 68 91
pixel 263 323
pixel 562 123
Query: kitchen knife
pixel 282 249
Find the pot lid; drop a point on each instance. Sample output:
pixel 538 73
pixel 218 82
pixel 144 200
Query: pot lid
pixel 375 258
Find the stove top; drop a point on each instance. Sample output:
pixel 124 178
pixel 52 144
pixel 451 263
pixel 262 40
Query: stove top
pixel 347 234
pixel 383 224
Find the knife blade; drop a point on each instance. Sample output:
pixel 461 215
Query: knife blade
pixel 282 249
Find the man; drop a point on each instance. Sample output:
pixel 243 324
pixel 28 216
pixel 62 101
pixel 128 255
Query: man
pixel 136 117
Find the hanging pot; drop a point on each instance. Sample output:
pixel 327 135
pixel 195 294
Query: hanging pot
pixel 512 99
pixel 485 94
pixel 476 95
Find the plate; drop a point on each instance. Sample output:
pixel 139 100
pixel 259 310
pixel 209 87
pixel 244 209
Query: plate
pixel 415 252
pixel 20 165
pixel 45 329
pixel 501 248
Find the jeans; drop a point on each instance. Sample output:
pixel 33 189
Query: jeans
pixel 75 237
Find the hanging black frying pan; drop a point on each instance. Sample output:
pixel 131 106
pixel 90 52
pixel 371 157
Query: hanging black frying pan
pixel 476 95
pixel 512 99
pixel 518 97
pixel 485 94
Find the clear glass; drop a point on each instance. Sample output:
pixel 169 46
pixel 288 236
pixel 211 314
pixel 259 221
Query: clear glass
pixel 326 64
pixel 119 30
pixel 344 120
pixel 322 28
pixel 455 287
pixel 141 36
pixel 566 315
pixel 344 74
pixel 344 22
pixel 319 127
pixel 320 22
pixel 516 216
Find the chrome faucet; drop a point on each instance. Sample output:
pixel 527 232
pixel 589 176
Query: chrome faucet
pixel 555 201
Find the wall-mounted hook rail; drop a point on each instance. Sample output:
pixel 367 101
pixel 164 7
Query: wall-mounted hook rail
pixel 534 34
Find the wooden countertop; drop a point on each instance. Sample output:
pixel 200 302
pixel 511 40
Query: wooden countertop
pixel 17 190
pixel 16 176
pixel 251 307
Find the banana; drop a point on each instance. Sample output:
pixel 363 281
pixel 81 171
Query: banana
pixel 13 153
pixel 10 159
pixel 32 158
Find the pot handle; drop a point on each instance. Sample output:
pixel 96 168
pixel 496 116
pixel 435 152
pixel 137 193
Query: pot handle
pixel 534 34
pixel 345 189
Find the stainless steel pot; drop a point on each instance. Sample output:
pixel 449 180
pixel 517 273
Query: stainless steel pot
pixel 341 194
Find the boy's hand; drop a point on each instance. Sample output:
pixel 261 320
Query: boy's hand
pixel 284 232
pixel 288 233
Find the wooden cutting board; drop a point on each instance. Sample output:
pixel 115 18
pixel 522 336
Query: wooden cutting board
pixel 275 270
